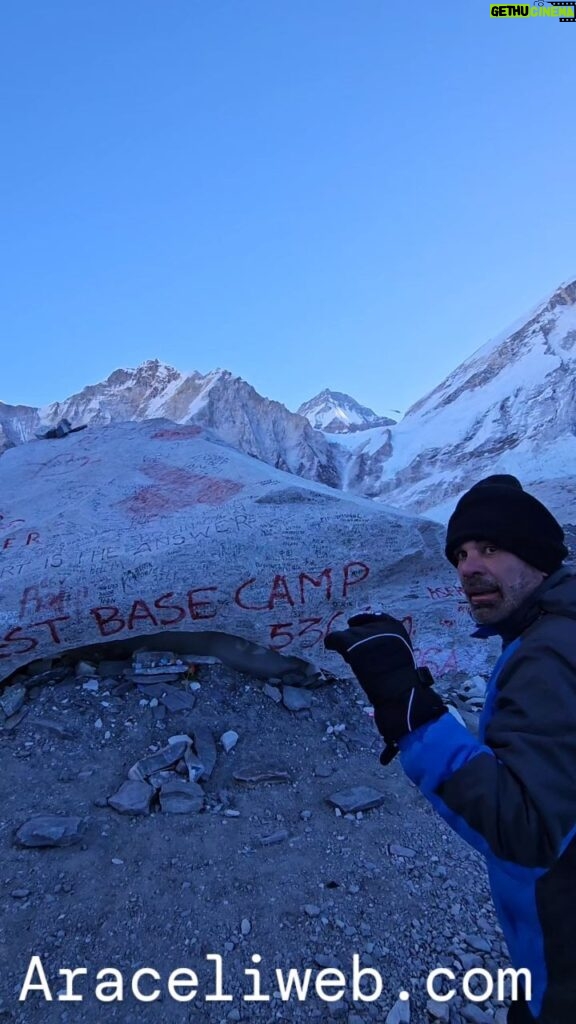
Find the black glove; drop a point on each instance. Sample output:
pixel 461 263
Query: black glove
pixel 379 652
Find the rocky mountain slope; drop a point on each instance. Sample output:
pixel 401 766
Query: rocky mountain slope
pixel 240 416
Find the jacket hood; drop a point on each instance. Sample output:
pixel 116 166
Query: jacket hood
pixel 559 597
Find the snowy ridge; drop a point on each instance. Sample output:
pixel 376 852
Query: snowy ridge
pixel 511 408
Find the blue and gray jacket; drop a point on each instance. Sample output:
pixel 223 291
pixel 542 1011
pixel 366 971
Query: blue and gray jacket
pixel 511 791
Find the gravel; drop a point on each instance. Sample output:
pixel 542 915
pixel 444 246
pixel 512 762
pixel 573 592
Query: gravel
pixel 265 869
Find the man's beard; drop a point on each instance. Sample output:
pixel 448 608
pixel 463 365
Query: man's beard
pixel 486 601
pixel 492 602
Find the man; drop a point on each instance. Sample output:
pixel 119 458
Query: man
pixel 511 791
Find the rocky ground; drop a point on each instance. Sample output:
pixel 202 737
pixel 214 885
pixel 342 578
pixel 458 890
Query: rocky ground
pixel 270 857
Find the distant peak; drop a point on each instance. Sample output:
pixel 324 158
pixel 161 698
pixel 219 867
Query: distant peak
pixel 157 367
pixel 148 367
pixel 327 394
pixel 337 413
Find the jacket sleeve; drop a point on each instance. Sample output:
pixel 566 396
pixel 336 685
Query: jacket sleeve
pixel 512 796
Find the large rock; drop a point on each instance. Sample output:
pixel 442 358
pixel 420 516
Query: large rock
pixel 133 797
pixel 181 797
pixel 51 830
pixel 357 798
pixel 12 699
pixel 156 532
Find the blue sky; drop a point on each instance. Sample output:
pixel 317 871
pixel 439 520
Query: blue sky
pixel 308 193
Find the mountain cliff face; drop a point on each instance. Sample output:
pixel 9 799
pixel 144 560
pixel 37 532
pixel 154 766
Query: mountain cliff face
pixel 17 424
pixel 266 430
pixel 510 407
pixel 337 413
pixel 124 395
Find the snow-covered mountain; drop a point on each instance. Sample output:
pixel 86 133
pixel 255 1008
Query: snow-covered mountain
pixel 509 408
pixel 337 413
pixel 232 408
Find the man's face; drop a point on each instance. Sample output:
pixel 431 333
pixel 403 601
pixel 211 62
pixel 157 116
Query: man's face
pixel 496 582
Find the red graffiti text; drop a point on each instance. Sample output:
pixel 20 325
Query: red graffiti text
pixel 110 621
pixel 294 591
pixel 13 644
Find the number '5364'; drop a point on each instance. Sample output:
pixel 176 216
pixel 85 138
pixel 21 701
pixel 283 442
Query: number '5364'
pixel 309 631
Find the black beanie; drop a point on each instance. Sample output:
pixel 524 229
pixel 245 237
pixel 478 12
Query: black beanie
pixel 497 509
